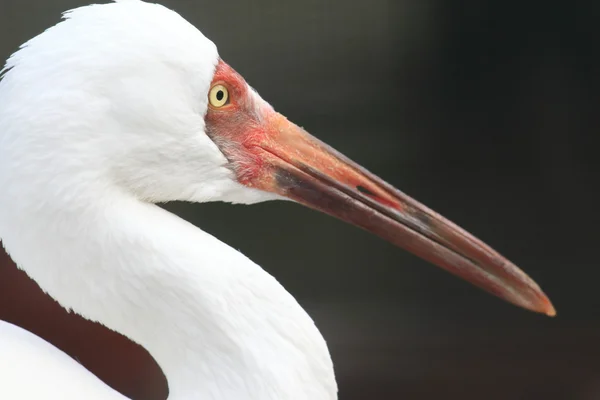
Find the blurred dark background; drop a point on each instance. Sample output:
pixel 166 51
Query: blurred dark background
pixel 488 112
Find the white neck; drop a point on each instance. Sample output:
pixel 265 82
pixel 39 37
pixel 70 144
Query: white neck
pixel 217 324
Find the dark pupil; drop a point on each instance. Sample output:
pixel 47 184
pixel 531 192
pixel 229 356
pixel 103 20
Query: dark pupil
pixel 220 95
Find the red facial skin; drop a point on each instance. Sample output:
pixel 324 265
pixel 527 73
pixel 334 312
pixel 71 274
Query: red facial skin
pixel 268 152
pixel 239 127
pixel 254 138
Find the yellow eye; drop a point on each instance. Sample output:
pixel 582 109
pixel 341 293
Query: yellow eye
pixel 218 96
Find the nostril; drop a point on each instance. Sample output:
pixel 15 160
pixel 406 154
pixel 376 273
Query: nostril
pixel 378 198
pixel 364 190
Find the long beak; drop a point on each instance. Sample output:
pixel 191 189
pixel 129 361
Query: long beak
pixel 308 171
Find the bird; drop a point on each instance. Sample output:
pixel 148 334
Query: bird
pixel 123 106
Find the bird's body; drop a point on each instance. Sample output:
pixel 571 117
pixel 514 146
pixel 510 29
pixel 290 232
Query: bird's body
pixel 124 105
pixel 32 368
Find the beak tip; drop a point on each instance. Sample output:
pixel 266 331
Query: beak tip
pixel 543 305
pixel 550 310
pixel 532 300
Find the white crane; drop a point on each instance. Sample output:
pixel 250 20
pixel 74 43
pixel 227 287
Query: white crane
pixel 124 105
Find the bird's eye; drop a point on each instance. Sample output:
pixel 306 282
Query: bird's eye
pixel 218 96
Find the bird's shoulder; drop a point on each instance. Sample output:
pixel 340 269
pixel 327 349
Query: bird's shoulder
pixel 31 368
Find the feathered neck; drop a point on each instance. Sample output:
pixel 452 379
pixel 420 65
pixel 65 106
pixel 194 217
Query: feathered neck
pixel 217 324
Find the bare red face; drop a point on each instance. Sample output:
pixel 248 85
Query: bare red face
pixel 240 125
pixel 268 152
